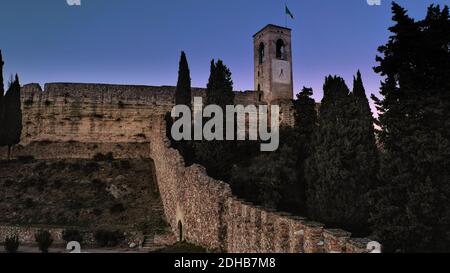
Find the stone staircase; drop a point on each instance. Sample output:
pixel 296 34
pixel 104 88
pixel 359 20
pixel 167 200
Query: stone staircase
pixel 154 242
pixel 148 242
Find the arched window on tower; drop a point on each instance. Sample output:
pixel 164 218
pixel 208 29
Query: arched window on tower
pixel 262 53
pixel 281 50
pixel 259 87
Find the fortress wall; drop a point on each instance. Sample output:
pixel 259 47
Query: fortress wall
pixel 91 112
pixel 189 196
pixel 99 112
pixel 212 217
pixel 78 150
pixel 80 120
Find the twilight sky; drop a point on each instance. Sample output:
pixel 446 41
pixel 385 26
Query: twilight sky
pixel 139 41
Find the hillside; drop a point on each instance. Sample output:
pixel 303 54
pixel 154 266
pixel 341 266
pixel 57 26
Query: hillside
pixel 111 194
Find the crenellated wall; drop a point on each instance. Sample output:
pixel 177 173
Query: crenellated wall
pixel 80 120
pixel 212 217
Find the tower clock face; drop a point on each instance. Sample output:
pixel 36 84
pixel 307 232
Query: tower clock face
pixel 281 71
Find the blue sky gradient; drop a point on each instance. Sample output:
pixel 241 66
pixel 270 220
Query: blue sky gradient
pixel 139 41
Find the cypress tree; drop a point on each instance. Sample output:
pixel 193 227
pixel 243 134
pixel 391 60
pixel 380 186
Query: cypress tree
pixel 218 156
pixel 2 90
pixel 411 211
pixel 183 94
pixel 335 189
pixel 305 125
pixel 363 137
pixel 219 90
pixel 270 179
pixel 13 115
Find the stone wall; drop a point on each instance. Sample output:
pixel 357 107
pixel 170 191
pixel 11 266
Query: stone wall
pixel 89 112
pixel 64 112
pixel 209 215
pixel 77 150
pixel 26 235
pixel 80 120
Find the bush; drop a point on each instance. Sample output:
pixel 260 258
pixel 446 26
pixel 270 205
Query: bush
pixel 70 235
pixel 122 164
pixel 25 159
pixel 117 208
pixel 12 244
pixel 91 167
pixel 44 240
pixel 101 157
pixel 108 238
pixel 59 166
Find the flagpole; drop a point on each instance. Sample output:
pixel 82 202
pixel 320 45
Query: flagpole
pixel 285 14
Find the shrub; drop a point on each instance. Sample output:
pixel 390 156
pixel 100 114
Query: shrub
pixel 70 235
pixel 125 164
pixel 141 136
pixel 117 208
pixel 44 240
pixel 91 167
pixel 8 183
pixel 76 166
pixel 122 164
pixel 12 244
pixel 59 166
pixel 25 159
pixel 29 203
pixel 108 238
pixel 101 157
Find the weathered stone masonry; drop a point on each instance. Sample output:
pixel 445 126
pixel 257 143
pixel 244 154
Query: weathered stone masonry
pixel 212 217
pixel 80 120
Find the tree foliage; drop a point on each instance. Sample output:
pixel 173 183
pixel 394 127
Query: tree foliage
pixel 183 91
pixel 343 158
pixel 411 211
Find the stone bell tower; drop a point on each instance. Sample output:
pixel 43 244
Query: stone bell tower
pixel 273 63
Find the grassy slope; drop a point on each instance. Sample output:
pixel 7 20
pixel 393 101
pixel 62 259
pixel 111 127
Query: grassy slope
pixel 84 193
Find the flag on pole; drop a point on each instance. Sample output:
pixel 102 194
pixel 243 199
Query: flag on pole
pixel 288 12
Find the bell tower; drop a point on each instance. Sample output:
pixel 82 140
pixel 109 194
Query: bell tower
pixel 273 63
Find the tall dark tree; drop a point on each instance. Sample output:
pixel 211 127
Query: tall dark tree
pixel 335 189
pixel 411 211
pixel 305 125
pixel 270 179
pixel 218 156
pixel 363 137
pixel 219 90
pixel 277 179
pixel 183 94
pixel 2 114
pixel 13 115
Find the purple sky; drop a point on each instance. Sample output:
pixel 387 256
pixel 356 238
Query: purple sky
pixel 139 41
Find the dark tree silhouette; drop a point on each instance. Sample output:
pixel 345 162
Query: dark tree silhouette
pixel 183 94
pixel 305 126
pixel 2 112
pixel 13 115
pixel 411 208
pixel 337 181
pixel 218 156
pixel 219 90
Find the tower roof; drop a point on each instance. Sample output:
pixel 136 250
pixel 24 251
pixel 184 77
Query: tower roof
pixel 271 26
